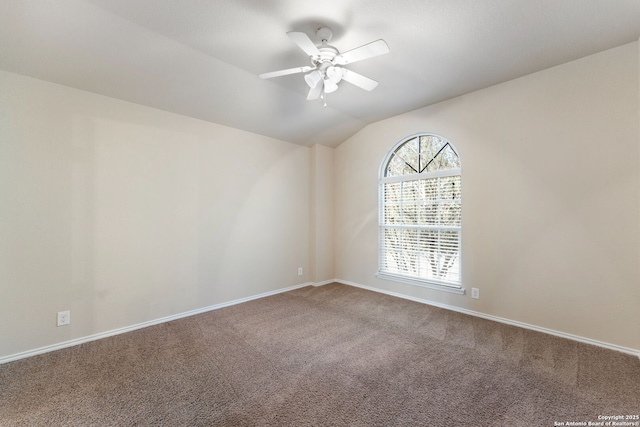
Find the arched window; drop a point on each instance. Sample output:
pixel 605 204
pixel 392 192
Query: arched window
pixel 421 213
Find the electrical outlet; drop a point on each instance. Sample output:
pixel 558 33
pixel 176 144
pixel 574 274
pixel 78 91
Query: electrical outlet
pixel 475 293
pixel 299 271
pixel 64 318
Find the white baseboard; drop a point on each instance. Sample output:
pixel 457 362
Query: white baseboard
pixel 326 282
pixel 609 346
pixel 94 337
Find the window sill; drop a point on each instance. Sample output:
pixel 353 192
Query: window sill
pixel 422 283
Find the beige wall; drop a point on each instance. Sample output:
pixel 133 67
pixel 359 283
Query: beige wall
pixel 125 214
pixel 551 196
pixel 322 210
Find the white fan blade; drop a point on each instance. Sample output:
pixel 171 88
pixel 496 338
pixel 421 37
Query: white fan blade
pixel 315 92
pixel 286 72
pixel 359 80
pixel 378 47
pixel 304 42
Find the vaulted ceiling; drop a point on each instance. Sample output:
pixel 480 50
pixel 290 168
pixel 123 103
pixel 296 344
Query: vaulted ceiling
pixel 202 58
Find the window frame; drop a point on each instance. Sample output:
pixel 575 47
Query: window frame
pixel 447 286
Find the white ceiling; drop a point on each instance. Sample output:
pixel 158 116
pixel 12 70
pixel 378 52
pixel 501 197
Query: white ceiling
pixel 202 58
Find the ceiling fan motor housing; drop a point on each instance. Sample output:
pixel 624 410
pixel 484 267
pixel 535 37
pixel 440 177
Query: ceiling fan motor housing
pixel 327 54
pixel 324 63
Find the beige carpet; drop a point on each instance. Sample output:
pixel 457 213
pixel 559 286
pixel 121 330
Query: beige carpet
pixel 334 355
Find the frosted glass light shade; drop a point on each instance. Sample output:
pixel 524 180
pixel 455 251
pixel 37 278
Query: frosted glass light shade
pixel 313 78
pixel 334 74
pixel 329 86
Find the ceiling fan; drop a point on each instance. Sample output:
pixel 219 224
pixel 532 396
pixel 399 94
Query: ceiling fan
pixel 326 69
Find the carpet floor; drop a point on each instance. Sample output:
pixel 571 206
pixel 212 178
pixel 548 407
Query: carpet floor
pixel 333 355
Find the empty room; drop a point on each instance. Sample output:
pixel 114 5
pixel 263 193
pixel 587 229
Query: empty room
pixel 295 212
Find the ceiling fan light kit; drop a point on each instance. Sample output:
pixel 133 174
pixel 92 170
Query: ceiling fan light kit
pixel 326 69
